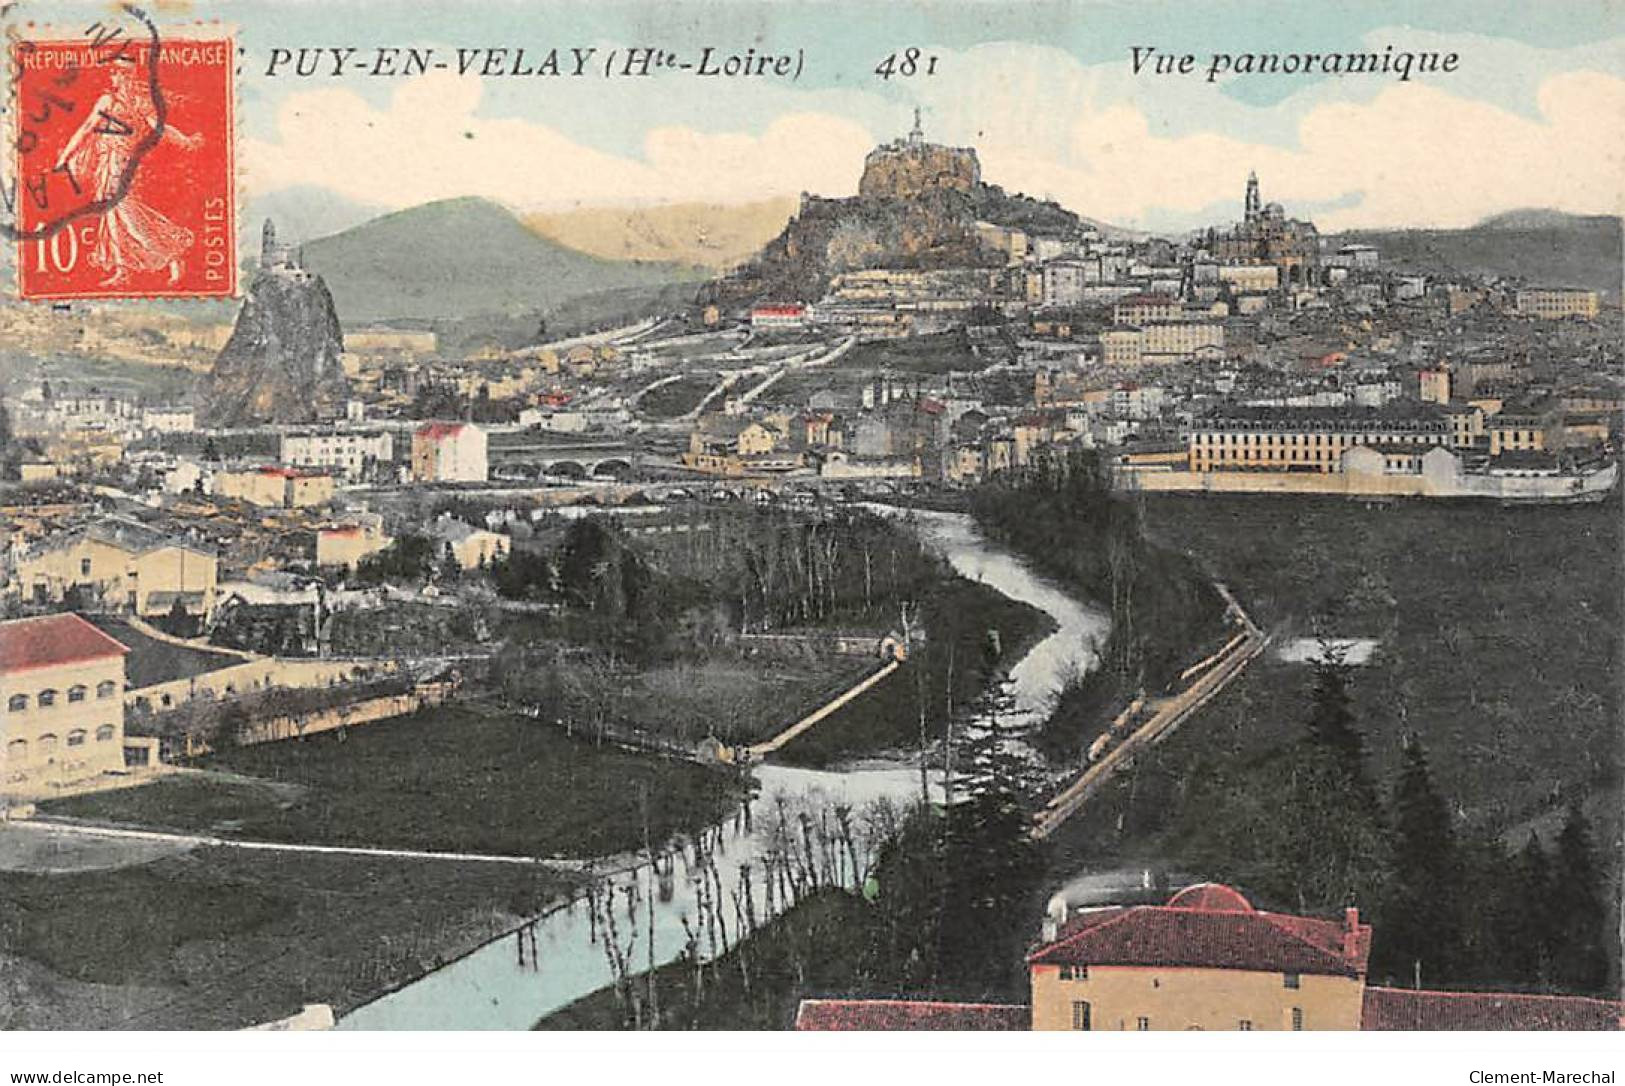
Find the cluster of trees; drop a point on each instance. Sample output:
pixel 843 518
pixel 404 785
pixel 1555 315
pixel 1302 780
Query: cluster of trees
pixel 409 559
pixel 1305 827
pixel 779 567
pixel 1061 514
pixel 207 723
pixel 442 400
pixel 953 883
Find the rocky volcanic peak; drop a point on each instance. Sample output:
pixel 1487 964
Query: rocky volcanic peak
pixel 281 363
pixel 917 206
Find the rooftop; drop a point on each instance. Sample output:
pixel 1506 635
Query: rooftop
pixel 1211 926
pixel 437 431
pixel 898 1014
pixel 52 641
pixel 1401 1009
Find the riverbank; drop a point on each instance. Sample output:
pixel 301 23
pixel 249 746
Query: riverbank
pixel 560 958
pixel 1165 612
pixel 820 946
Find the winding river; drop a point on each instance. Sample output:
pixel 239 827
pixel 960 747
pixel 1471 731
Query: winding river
pixel 519 978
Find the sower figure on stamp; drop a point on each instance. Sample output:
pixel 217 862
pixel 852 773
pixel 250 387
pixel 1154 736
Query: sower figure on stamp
pixel 132 235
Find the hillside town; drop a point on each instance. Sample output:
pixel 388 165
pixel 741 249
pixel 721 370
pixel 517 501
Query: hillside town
pixel 661 555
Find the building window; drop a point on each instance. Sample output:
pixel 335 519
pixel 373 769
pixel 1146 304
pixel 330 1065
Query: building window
pixel 17 750
pixel 76 738
pixel 1245 1025
pixel 47 743
pixel 47 698
pixel 84 567
pixel 1297 1018
pixel 1080 1014
pixel 104 733
pixel 1289 980
pixel 106 688
pixel 1074 972
pixel 77 692
pixel 1142 1023
pixel 17 703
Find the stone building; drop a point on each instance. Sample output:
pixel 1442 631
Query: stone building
pixel 1266 236
pixel 449 452
pixel 62 692
pixel 117 564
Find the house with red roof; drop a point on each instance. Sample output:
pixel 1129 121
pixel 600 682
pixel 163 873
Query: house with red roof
pixel 449 452
pixel 1206 960
pixel 787 315
pixel 61 704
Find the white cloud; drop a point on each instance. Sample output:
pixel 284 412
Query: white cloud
pixel 1414 155
pixel 430 143
pixel 1103 142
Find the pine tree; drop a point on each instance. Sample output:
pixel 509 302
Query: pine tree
pixel 1331 717
pixel 1421 928
pixel 994 865
pixel 1531 932
pixel 1580 956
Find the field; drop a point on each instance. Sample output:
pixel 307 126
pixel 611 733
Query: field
pixel 736 701
pixel 1498 635
pixel 679 397
pixel 220 939
pixel 450 779
pixel 941 352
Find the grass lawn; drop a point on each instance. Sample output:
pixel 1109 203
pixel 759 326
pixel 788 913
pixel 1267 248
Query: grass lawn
pixel 813 950
pixel 220 939
pixel 958 613
pixel 450 779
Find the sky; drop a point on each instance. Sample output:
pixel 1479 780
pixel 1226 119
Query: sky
pixel 1534 115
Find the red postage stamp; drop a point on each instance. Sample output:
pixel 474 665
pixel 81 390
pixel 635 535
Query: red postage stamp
pixel 125 179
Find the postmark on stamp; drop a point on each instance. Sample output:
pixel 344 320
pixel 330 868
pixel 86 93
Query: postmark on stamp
pixel 124 180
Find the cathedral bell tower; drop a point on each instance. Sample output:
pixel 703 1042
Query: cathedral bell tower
pixel 1251 205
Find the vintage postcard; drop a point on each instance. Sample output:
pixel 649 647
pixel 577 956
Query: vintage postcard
pixel 744 515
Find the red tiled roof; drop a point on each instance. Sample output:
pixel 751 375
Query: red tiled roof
pixel 52 641
pixel 1211 927
pixel 778 311
pixel 1397 1008
pixel 901 1014
pixel 435 431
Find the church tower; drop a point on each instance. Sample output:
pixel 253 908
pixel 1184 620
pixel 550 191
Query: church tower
pixel 1251 206
pixel 268 244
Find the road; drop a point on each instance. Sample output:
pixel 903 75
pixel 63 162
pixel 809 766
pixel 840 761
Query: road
pixel 1213 675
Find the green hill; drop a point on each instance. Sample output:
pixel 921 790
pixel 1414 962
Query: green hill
pixel 454 259
pixel 1537 245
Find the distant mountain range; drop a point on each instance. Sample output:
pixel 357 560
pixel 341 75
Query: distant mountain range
pixel 715 236
pixel 1542 246
pixel 455 259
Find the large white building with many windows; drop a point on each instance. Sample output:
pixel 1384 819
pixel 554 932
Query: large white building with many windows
pixel 62 695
